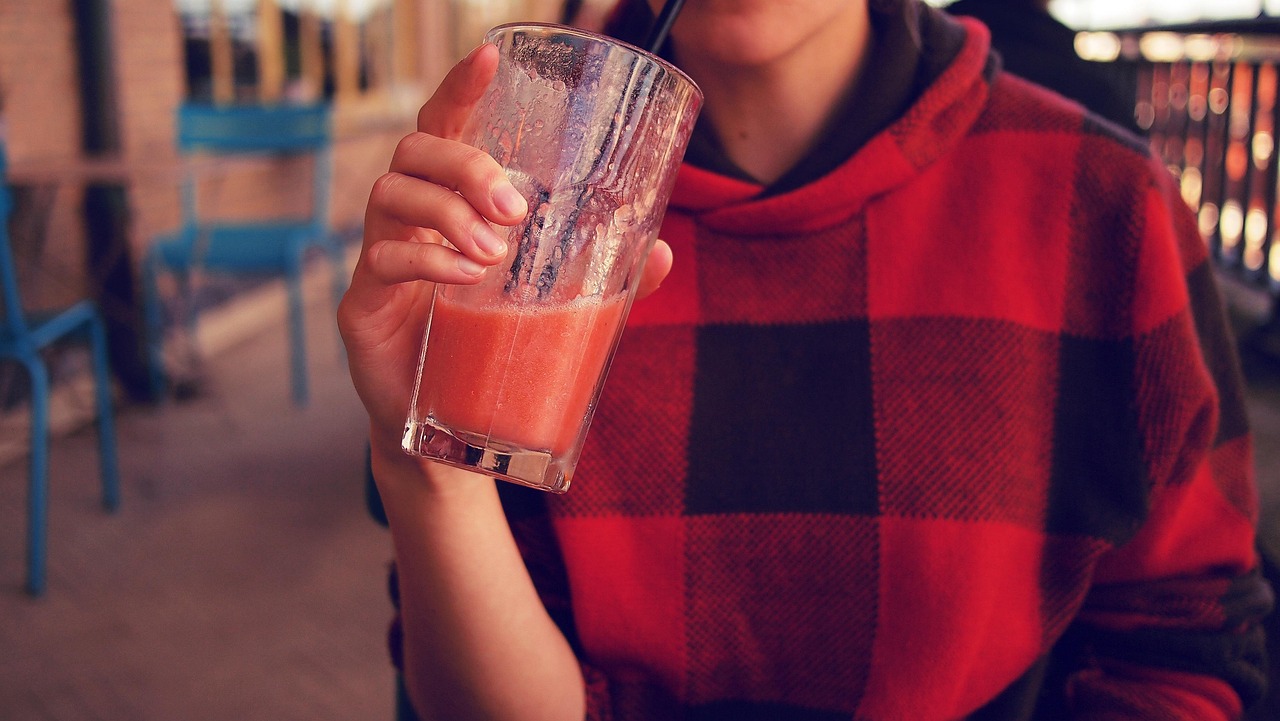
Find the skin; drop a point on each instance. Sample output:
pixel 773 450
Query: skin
pixel 478 643
pixel 772 72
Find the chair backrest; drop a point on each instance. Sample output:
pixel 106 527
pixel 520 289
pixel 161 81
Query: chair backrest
pixel 253 128
pixel 259 129
pixel 9 294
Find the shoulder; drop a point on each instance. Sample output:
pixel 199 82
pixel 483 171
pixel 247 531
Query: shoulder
pixel 1019 105
pixel 1038 126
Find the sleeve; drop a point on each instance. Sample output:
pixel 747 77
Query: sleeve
pixel 1172 626
pixel 531 527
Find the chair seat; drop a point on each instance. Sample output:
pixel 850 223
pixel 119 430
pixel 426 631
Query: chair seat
pixel 46 328
pixel 263 247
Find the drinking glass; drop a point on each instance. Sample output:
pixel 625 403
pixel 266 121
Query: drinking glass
pixel 591 131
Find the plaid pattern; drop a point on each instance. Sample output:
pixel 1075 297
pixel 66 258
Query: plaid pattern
pixel 950 432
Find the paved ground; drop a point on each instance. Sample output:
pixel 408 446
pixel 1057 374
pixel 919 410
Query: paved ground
pixel 242 578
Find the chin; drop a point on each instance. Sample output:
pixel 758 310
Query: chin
pixel 745 49
pixel 755 33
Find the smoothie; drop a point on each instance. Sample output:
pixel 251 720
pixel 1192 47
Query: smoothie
pixel 521 376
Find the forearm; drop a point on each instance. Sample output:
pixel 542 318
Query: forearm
pixel 478 642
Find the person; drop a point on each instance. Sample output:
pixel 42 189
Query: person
pixel 584 14
pixel 1039 47
pixel 935 414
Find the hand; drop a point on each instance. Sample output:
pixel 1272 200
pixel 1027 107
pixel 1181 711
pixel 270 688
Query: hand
pixel 437 188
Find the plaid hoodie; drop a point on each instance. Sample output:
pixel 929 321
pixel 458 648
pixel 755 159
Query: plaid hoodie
pixel 883 443
pixel 955 431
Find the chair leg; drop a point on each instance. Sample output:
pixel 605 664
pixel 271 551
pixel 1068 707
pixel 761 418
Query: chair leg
pixel 298 343
pixel 155 326
pixel 190 310
pixel 38 483
pixel 109 463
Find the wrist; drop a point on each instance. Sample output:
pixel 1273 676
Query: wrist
pixel 401 476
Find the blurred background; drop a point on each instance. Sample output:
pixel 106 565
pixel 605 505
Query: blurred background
pixel 239 575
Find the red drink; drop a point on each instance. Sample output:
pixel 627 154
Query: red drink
pixel 519 376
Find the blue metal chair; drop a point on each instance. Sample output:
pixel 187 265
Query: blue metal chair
pixel 272 247
pixel 23 336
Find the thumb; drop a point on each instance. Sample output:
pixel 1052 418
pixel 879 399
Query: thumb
pixel 446 113
pixel 656 268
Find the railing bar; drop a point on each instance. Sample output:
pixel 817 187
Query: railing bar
pixel 1252 189
pixel 1215 147
pixel 1227 163
pixel 1179 114
pixel 1159 108
pixel 1269 107
pixel 1250 184
pixel 1273 212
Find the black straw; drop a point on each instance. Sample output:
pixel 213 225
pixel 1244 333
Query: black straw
pixel 662 25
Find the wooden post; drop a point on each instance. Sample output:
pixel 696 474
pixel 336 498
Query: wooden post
pixel 435 41
pixel 346 53
pixel 406 35
pixel 311 51
pixel 221 57
pixel 379 38
pixel 271 70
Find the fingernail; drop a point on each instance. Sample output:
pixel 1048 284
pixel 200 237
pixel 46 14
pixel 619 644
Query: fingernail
pixel 488 241
pixel 469 266
pixel 509 200
pixel 472 55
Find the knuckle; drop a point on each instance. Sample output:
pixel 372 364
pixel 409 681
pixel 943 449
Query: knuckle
pixel 343 316
pixel 386 185
pixel 376 256
pixel 412 144
pixel 479 168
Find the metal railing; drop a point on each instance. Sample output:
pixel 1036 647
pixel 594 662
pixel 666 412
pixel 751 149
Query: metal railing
pixel 1207 98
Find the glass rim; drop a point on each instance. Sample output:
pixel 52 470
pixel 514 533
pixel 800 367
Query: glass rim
pixel 600 38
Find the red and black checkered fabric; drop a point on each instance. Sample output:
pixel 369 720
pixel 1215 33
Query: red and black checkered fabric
pixel 953 428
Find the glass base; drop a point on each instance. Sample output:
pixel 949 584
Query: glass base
pixel 536 469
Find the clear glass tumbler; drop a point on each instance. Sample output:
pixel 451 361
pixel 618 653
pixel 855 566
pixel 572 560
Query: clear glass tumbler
pixel 591 131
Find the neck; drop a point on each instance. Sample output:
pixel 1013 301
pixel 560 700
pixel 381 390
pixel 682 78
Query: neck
pixel 768 115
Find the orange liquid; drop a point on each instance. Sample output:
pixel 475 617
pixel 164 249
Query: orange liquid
pixel 523 377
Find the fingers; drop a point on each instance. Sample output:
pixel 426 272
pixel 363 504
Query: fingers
pixel 656 267
pixel 390 262
pixel 438 187
pixel 382 285
pixel 459 167
pixel 446 113
pixel 400 202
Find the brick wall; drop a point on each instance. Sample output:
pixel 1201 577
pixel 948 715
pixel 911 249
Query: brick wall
pixel 41 123
pixel 42 128
pixel 38 79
